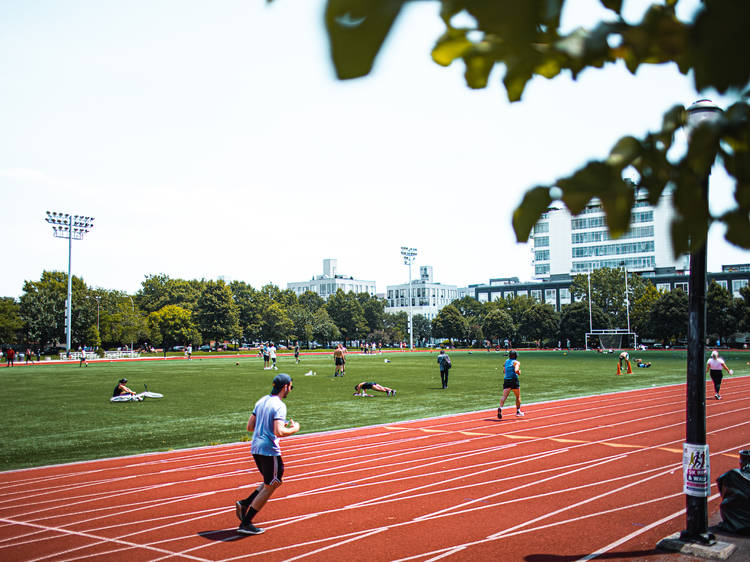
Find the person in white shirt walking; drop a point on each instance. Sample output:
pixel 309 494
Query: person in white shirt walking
pixel 714 366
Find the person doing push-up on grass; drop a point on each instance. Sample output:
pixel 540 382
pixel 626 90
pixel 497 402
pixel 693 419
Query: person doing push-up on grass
pixel 359 389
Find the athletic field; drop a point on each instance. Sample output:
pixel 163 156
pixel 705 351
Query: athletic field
pixel 598 477
pixel 58 413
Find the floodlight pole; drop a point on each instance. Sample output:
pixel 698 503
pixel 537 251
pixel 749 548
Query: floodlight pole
pixel 72 227
pixel 409 255
pixel 591 318
pixel 132 304
pixel 695 427
pixel 627 301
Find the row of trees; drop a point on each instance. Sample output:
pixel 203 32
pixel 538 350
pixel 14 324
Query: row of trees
pixel 653 315
pixel 168 312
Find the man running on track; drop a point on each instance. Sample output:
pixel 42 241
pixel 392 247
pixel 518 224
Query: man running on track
pixel 268 423
pixel 512 369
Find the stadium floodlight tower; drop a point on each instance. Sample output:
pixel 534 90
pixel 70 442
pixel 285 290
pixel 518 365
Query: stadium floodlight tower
pixel 409 255
pixel 72 227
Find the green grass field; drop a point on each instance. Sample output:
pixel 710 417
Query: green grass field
pixel 61 413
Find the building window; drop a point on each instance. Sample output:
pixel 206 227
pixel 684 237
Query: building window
pixel 541 241
pixel 482 297
pixel 550 296
pixel 663 287
pixel 541 255
pixel 587 222
pixel 613 249
pixel 509 294
pixel 541 269
pixel 564 296
pixel 643 216
pixel 722 283
pixel 522 293
pixel 683 286
pixel 643 262
pixel 541 227
pixel 536 294
pixel 738 284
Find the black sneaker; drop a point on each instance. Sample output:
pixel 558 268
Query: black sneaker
pixel 499 413
pixel 240 510
pixel 249 529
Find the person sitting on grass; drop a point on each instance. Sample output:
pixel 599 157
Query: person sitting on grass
pixel 359 389
pixel 121 389
pixel 643 365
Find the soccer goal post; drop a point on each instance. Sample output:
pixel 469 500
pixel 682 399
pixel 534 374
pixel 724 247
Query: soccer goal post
pixel 611 339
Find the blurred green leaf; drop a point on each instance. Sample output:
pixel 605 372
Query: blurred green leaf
pixel 718 45
pixel 738 227
pixel 478 70
pixel 356 31
pixel 624 152
pixel 615 5
pixel 534 203
pixel 452 45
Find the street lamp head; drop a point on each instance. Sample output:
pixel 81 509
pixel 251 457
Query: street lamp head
pixel 702 111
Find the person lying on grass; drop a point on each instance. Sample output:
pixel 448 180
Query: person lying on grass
pixel 359 389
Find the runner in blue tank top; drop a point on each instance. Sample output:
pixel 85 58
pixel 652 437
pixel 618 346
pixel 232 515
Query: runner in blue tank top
pixel 512 369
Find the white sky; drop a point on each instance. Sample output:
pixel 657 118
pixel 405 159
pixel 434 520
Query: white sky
pixel 211 139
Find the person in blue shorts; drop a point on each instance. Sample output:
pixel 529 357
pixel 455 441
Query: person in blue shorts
pixel 512 370
pixel 268 423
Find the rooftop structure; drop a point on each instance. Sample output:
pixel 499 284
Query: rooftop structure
pixel 329 282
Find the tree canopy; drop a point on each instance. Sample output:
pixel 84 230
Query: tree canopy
pixel 524 39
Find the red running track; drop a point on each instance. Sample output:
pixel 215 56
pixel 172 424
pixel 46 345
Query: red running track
pixel 596 477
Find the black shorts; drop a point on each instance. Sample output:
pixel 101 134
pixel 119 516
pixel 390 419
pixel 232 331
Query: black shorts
pixel 272 468
pixel 367 385
pixel 511 383
pixel 339 360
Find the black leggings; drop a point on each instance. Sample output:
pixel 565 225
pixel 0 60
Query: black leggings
pixel 716 376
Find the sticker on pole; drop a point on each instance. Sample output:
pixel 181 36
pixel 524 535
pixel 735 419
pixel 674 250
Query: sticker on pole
pixel 696 470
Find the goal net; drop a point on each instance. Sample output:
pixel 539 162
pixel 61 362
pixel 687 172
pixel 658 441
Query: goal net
pixel 611 339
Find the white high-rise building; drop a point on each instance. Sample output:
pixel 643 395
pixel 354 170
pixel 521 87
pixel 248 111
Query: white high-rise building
pixel 327 284
pixel 428 297
pixel 566 244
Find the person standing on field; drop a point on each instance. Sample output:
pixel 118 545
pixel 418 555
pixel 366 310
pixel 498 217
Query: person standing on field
pixel 272 356
pixel 338 360
pixel 512 370
pixel 714 366
pixel 268 423
pixel 444 362
pixel 296 353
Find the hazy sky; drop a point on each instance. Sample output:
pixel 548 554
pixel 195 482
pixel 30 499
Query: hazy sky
pixel 211 139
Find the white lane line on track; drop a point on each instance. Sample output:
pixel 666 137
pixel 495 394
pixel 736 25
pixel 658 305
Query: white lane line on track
pixel 94 538
pixel 121 511
pixel 626 538
pixel 58 555
pixel 413 521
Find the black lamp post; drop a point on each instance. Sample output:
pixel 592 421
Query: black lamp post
pixel 695 462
